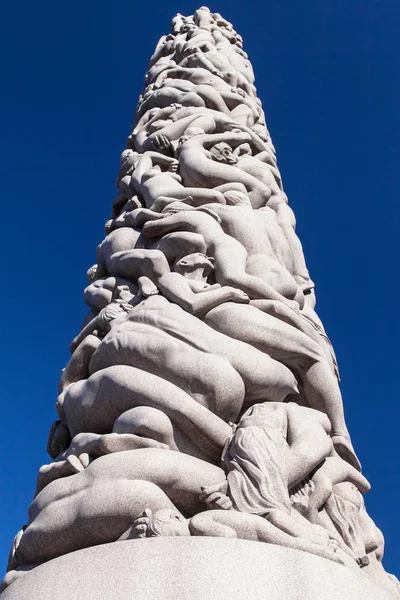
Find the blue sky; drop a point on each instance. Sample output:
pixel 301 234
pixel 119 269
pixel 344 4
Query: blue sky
pixel 328 75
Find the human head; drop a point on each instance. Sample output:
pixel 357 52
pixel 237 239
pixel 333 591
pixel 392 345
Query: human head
pixel 111 312
pixel 94 272
pixel 166 522
pixel 187 26
pixel 126 154
pixel 257 414
pixel 223 153
pixel 177 17
pixel 261 131
pixel 239 40
pixel 345 507
pixel 234 197
pixel 193 262
pixel 349 492
pixel 108 226
pixel 59 438
pixel 132 204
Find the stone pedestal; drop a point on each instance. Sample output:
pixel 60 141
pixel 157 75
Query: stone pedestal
pixel 192 569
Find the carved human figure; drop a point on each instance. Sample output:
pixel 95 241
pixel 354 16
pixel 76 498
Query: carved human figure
pixel 200 76
pixel 269 176
pixel 220 53
pixel 82 351
pixel 122 255
pixel 297 351
pixel 85 447
pixel 164 47
pixel 97 324
pixel 106 402
pixel 184 93
pixel 201 337
pixel 269 242
pixel 188 280
pixel 159 128
pixel 125 192
pixel 211 523
pixel 218 523
pixel 302 323
pixel 101 290
pixel 151 182
pixel 237 57
pixel 101 502
pixel 172 122
pixel 156 68
pixel 178 22
pixel 215 369
pixel 198 168
pixel 230 256
pixel 208 57
pixel 275 447
pixel 187 283
pixel 115 490
pixel 345 512
pixel 264 331
pixel 118 255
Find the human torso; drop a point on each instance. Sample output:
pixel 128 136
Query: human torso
pixel 156 317
pixel 119 240
pixel 265 244
pixel 155 183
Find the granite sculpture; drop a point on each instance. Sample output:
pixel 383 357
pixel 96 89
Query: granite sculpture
pixel 202 394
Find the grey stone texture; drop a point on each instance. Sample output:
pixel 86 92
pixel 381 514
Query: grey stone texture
pixel 198 568
pixel 201 398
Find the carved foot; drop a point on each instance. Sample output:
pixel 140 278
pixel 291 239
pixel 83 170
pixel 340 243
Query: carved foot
pixel 147 287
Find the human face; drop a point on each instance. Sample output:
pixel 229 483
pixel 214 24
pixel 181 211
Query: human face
pixel 167 522
pixel 223 153
pixel 195 261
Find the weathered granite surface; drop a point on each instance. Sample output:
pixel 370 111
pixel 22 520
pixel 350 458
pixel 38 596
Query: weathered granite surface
pixel 202 395
pixel 198 568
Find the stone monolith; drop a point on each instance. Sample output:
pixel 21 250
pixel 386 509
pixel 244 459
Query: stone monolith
pixel 201 399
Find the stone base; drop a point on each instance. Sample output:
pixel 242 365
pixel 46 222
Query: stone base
pixel 192 569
